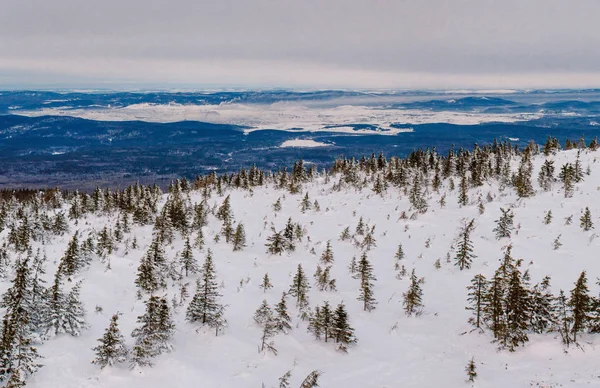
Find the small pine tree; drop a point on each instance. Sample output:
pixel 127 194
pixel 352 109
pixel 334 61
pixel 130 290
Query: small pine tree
pixel 327 256
pixel 266 283
pixel 586 220
pixel 312 380
pixel 187 260
pixel 281 318
pixel 413 298
pixel 341 329
pixel 476 298
pixel 505 224
pixel 471 370
pixel 239 238
pixel 112 347
pixel 464 256
pixel 399 256
pixel 548 218
pixel 204 305
pixel 154 335
pixel 580 304
pixel 557 244
pixel 366 276
pixel 263 314
pixel 299 287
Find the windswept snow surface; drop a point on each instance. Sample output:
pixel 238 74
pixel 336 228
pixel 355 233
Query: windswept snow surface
pixel 393 350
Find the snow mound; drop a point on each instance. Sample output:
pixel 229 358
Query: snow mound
pixel 302 143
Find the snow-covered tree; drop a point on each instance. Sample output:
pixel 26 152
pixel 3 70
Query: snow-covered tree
pixel 112 347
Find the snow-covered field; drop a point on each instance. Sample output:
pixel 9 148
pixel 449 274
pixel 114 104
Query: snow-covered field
pixel 302 143
pixel 284 116
pixel 393 350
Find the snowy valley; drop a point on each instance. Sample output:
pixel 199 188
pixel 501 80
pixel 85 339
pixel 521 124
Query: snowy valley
pixel 398 243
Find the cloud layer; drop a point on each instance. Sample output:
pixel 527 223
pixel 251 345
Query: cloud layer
pixel 338 43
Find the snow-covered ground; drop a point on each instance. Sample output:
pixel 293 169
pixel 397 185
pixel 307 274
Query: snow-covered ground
pixel 284 116
pixel 303 143
pixel 393 350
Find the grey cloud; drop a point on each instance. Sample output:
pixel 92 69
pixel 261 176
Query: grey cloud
pixel 447 37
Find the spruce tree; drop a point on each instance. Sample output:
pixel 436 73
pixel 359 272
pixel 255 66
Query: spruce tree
pixel 112 347
pixel 471 370
pixel 464 255
pixel 204 305
pixel 518 310
pixel 413 298
pixel 542 317
pixel 187 260
pixel 564 319
pixel 64 312
pixel 276 243
pixel 152 269
pixel 580 305
pixel 299 287
pixel 323 279
pixel 366 277
pixel 17 355
pixel 477 297
pixel 327 256
pixel 239 238
pixel 399 256
pixel 281 318
pixel 505 224
pixel 586 220
pixel 153 336
pixel 266 283
pixel 263 313
pixel 341 329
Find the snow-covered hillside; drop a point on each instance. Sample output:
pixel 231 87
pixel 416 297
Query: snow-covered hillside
pixel 392 349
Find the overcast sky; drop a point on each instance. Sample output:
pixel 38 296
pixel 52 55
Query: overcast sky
pixel 302 43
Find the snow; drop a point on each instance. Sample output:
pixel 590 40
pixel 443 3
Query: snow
pixel 303 143
pixel 286 116
pixel 392 350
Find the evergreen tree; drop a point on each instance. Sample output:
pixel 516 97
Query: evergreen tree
pixel 112 347
pixel 413 298
pixel 153 336
pixel 580 305
pixel 224 213
pixel 399 256
pixel 305 203
pixel 586 220
pixel 239 238
pixel 464 255
pixel 542 317
pixel 546 175
pixel 300 287
pixel 204 305
pixel 64 312
pixel 366 276
pixel 416 196
pixel 517 311
pixel 463 194
pixel 323 279
pixel 471 370
pixel 152 269
pixel 266 283
pixel 263 314
pixel 548 218
pixel 327 256
pixel 564 319
pixel 476 298
pixel 276 243
pixel 505 224
pixel 281 319
pixel 187 260
pixel 341 329
pixel 269 331
pixel 17 355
